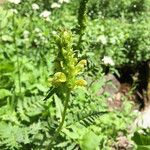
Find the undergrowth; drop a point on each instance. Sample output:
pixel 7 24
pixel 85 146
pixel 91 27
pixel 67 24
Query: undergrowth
pixel 52 69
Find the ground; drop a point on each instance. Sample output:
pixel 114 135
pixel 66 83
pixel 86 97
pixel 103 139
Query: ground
pixel 2 1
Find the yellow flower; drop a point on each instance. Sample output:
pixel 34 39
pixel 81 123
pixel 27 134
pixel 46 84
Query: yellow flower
pixel 82 62
pixel 59 77
pixel 81 82
pixel 80 65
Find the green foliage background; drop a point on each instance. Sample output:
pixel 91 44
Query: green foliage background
pixel 119 29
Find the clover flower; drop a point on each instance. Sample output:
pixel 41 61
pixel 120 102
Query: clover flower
pixel 15 1
pixel 35 6
pixel 55 5
pixel 108 61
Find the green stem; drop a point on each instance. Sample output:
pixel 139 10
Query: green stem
pixel 16 48
pixel 81 21
pixel 64 113
pixel 63 119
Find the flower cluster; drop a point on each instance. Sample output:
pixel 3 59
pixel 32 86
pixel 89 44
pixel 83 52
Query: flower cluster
pixel 14 1
pixel 14 11
pixel 63 1
pixel 26 34
pixel 108 61
pixel 45 15
pixel 35 6
pixel 67 67
pixel 58 4
pixel 40 38
pixel 102 39
pixel 55 5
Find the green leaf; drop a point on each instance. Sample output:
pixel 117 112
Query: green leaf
pixel 97 85
pixel 7 38
pixel 6 66
pixel 142 141
pixel 140 147
pixel 59 106
pixel 4 93
pixel 89 141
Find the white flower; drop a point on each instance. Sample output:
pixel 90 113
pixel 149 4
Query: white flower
pixel 102 39
pixel 40 34
pixel 66 1
pixel 54 32
pixel 37 30
pixel 62 1
pixel 45 14
pixel 14 11
pixel 55 5
pixel 15 1
pixel 113 40
pixel 108 61
pixel 134 20
pixel 26 34
pixel 35 6
pixel 6 38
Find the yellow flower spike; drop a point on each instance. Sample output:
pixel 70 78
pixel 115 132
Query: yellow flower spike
pixel 59 77
pixel 81 82
pixel 67 36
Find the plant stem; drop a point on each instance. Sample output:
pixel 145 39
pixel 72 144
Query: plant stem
pixel 64 112
pixel 16 48
pixel 63 118
pixel 81 21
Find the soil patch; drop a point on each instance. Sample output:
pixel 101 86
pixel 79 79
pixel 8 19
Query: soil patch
pixel 2 1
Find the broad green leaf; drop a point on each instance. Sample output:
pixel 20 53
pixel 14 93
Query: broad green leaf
pixel 89 141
